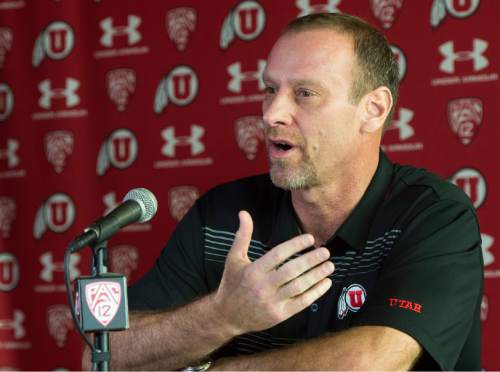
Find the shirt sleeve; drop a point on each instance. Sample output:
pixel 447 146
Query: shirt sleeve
pixel 431 283
pixel 178 274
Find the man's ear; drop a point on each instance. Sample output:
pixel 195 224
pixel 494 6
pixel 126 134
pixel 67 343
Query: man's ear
pixel 376 106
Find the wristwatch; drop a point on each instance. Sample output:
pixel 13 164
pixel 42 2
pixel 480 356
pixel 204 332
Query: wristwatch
pixel 203 366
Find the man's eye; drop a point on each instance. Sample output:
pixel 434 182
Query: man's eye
pixel 269 90
pixel 304 93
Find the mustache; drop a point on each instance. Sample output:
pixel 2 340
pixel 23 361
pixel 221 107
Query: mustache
pixel 274 132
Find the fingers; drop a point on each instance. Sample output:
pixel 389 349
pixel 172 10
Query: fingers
pixel 284 251
pixel 308 280
pixel 239 249
pixel 296 267
pixel 305 299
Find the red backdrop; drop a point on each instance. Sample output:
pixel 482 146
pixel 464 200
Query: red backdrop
pixel 99 97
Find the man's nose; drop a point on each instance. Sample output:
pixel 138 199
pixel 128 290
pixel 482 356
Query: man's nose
pixel 278 110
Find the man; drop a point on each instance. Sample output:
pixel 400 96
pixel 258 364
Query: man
pixel 340 261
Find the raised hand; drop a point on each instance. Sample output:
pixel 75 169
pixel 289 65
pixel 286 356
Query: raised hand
pixel 254 296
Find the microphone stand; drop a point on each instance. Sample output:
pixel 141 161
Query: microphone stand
pixel 101 304
pixel 101 354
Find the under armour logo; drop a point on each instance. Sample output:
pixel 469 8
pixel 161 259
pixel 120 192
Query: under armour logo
pixel 50 266
pixel 307 8
pixel 246 21
pixel 237 76
pixel 447 50
pixel 193 140
pixel 456 8
pixel 6 37
pixel 56 41
pixel 15 324
pixel 68 93
pixel 486 244
pixel 10 153
pixel 9 271
pixel 179 86
pixel 6 101
pixel 130 30
pixel 403 124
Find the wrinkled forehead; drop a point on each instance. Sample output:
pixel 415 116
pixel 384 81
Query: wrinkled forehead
pixel 316 52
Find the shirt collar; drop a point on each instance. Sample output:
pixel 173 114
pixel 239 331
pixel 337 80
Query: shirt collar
pixel 354 231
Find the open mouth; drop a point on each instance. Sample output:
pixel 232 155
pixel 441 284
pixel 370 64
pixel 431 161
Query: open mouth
pixel 282 146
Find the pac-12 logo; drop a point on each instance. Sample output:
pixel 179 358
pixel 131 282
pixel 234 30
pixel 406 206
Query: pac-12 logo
pixel 58 146
pixel 124 259
pixel 465 116
pixel 120 85
pixel 249 132
pixel 180 86
pixel 7 215
pixel 351 299
pixel 246 21
pixel 59 323
pixel 180 199
pixel 56 42
pixel 180 22
pixel 103 300
pixel 6 37
pixel 386 11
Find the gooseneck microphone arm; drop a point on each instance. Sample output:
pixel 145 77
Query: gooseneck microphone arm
pixel 139 205
pixel 104 228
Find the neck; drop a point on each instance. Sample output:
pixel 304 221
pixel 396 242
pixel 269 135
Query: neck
pixel 323 209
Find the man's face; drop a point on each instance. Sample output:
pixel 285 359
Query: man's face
pixel 312 128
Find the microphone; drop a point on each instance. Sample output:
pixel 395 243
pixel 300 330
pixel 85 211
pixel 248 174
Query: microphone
pixel 139 205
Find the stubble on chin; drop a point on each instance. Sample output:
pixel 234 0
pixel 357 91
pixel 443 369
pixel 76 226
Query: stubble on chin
pixel 286 176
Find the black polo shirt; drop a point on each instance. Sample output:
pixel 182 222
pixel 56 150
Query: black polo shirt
pixel 408 257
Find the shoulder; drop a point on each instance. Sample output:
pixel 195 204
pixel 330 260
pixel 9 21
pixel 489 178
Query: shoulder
pixel 420 203
pixel 429 208
pixel 428 187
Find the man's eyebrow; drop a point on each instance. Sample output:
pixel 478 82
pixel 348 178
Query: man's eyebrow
pixel 314 82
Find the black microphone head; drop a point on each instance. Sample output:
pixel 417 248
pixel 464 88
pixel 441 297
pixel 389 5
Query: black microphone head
pixel 146 200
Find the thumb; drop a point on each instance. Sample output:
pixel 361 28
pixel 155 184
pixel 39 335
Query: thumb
pixel 239 249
